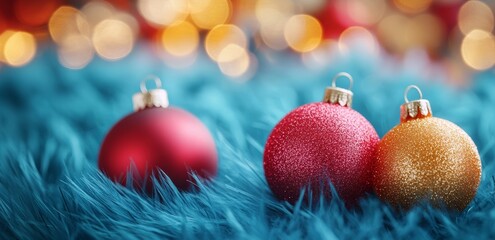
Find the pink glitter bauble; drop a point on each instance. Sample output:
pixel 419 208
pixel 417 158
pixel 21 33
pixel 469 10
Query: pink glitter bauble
pixel 318 142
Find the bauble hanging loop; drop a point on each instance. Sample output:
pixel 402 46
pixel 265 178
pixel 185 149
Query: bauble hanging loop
pixel 321 142
pixel 426 158
pixel 150 98
pixel 414 109
pixel 339 95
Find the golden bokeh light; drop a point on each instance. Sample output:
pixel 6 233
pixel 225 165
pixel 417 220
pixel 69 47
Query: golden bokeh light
pixel 400 33
pixel 267 11
pixel 426 31
pixel 76 51
pixel 221 36
pixel 273 34
pixel 389 31
pixel 163 12
pixel 128 19
pixel 359 39
pixel 4 37
pixel 272 16
pixel 233 60
pixel 478 49
pixel 97 11
pixel 365 12
pixel 97 27
pixel 180 39
pixel 322 56
pixel 412 6
pixel 303 33
pixel 475 15
pixel 67 21
pixel 113 39
pixel 207 14
pixel 311 6
pixel 17 48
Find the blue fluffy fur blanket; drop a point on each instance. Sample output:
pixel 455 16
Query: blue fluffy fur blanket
pixel 52 122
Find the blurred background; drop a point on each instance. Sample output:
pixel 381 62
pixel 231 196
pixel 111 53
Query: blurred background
pixel 69 68
pixel 454 36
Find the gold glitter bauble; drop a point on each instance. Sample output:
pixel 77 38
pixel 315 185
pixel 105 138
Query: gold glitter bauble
pixel 427 158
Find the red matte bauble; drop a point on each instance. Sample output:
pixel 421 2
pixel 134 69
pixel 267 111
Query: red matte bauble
pixel 152 139
pixel 318 142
